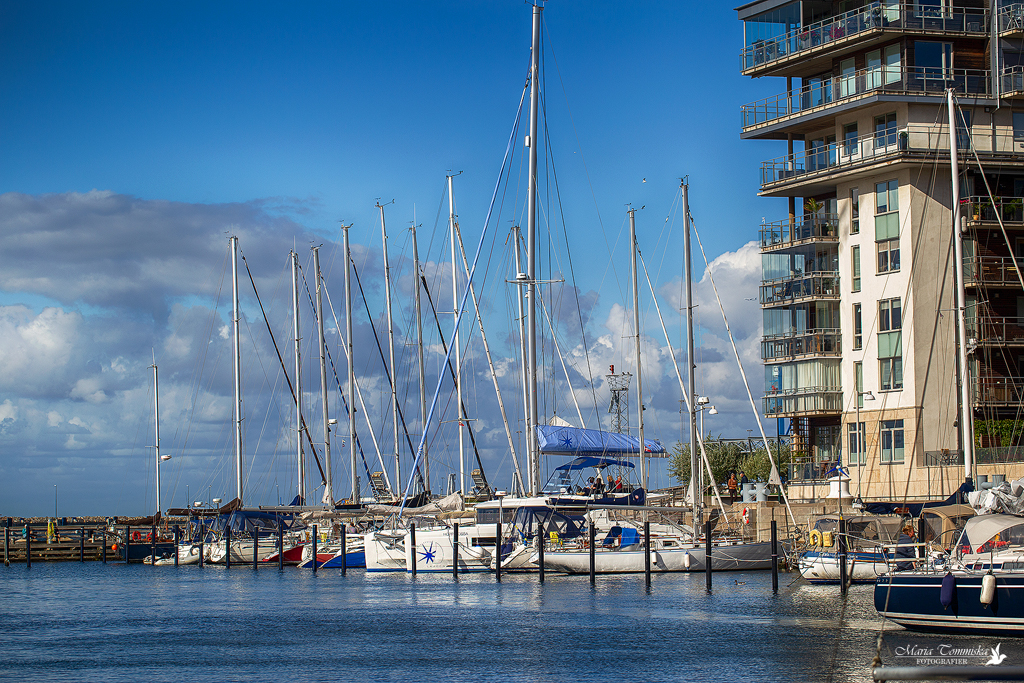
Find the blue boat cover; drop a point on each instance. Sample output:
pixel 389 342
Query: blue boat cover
pixel 578 441
pixel 586 461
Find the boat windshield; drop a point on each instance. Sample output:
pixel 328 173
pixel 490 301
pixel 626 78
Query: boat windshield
pixel 992 533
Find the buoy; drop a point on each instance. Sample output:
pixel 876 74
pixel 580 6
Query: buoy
pixel 948 590
pixel 114 547
pixel 746 516
pixel 686 560
pixel 988 588
pixel 815 538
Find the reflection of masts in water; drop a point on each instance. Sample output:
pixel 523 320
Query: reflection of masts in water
pixel 619 406
pixel 301 464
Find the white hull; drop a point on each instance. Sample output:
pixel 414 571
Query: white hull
pixel 385 551
pixel 241 551
pixel 435 550
pixel 817 567
pixel 688 558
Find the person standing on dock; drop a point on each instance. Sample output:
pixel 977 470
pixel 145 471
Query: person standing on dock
pixel 732 487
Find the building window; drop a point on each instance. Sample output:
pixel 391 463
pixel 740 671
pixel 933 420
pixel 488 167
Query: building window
pixel 858 378
pixel 854 211
pixel 892 440
pixel 1018 126
pixel 888 256
pixel 885 130
pixel 890 315
pixel 857 454
pixel 850 139
pixel 858 337
pixel 890 373
pixel 855 256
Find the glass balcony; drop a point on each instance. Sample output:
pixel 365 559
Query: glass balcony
pixel 815 342
pixel 883 80
pixel 996 330
pixel 999 391
pixel 818 227
pixel 991 270
pixel 1011 18
pixel 801 287
pixel 1011 81
pixel 981 209
pixel 803 402
pixel 873 19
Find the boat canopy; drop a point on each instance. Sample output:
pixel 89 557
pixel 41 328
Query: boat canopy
pixel 980 532
pixel 586 461
pixel 556 440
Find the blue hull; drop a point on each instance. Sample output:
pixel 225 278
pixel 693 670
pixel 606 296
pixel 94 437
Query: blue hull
pixel 354 559
pixel 912 600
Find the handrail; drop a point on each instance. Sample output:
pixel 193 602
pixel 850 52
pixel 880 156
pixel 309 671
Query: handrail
pixel 808 226
pixel 888 79
pixel 871 18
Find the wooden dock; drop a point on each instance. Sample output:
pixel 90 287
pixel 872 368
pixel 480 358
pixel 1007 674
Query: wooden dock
pixel 92 542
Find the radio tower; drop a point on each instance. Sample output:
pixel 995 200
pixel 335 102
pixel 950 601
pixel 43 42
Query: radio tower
pixel 619 407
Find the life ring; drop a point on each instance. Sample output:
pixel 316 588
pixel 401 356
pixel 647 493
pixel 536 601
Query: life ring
pixel 815 537
pixel 745 515
pixel 136 536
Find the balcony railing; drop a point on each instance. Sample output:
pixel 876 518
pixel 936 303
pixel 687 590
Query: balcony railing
pixel 991 270
pixel 1011 18
pixel 817 227
pixel 808 469
pixel 816 285
pixel 914 80
pixel 876 17
pixel 996 330
pixel 808 401
pixel 1010 209
pixel 992 391
pixel 820 342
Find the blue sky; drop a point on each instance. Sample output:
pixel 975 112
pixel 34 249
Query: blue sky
pixel 189 120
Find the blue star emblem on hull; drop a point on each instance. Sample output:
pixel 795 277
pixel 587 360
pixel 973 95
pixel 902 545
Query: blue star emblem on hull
pixel 427 554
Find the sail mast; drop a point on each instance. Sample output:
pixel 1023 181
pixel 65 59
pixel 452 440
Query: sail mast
pixel 351 369
pixel 238 369
pixel 300 460
pixel 960 299
pixel 156 421
pixel 391 341
pixel 329 483
pixel 695 470
pixel 636 326
pixel 419 354
pixel 531 260
pixel 455 338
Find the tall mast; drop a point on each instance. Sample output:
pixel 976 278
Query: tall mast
pixel 419 354
pixel 636 325
pixel 238 369
pixel 156 421
pixel 455 338
pixel 300 460
pixel 351 368
pixel 391 341
pixel 966 413
pixel 329 484
pixel 523 354
pixel 531 261
pixel 695 467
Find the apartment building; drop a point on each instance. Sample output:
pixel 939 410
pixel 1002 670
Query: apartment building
pixel 858 281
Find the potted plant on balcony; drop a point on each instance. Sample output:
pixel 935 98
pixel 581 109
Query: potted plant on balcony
pixel 813 208
pixel 1012 208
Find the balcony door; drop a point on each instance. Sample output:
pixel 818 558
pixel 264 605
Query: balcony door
pixel 847 78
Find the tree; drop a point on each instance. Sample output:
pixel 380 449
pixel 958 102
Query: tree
pixel 728 457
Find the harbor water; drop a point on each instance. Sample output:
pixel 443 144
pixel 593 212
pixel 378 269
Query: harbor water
pixel 92 622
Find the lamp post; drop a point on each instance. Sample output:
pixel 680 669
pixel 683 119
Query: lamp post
pixel 865 396
pixel 703 404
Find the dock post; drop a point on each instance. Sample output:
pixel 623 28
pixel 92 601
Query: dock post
pixel 255 549
pixel 497 551
pixel 540 551
pixel 28 545
pixel 103 540
pixel 202 537
pixel 7 543
pixel 593 553
pixel 412 545
pixel 152 545
pixel 227 546
pixel 647 553
pixel 344 551
pixel 81 544
pixel 127 543
pixel 455 552
pixel 314 548
pixel 707 555
pixel 775 558
pixel 280 546
pixel 177 537
pixel 841 547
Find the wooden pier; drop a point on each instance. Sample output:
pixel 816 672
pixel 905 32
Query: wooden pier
pixel 36 541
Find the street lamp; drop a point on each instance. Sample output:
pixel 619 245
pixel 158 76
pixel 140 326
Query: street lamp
pixel 865 396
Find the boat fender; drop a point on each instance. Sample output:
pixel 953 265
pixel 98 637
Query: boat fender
pixel 828 539
pixel 136 536
pixel 686 560
pixel 746 515
pixel 948 590
pixel 815 537
pixel 114 547
pixel 988 588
